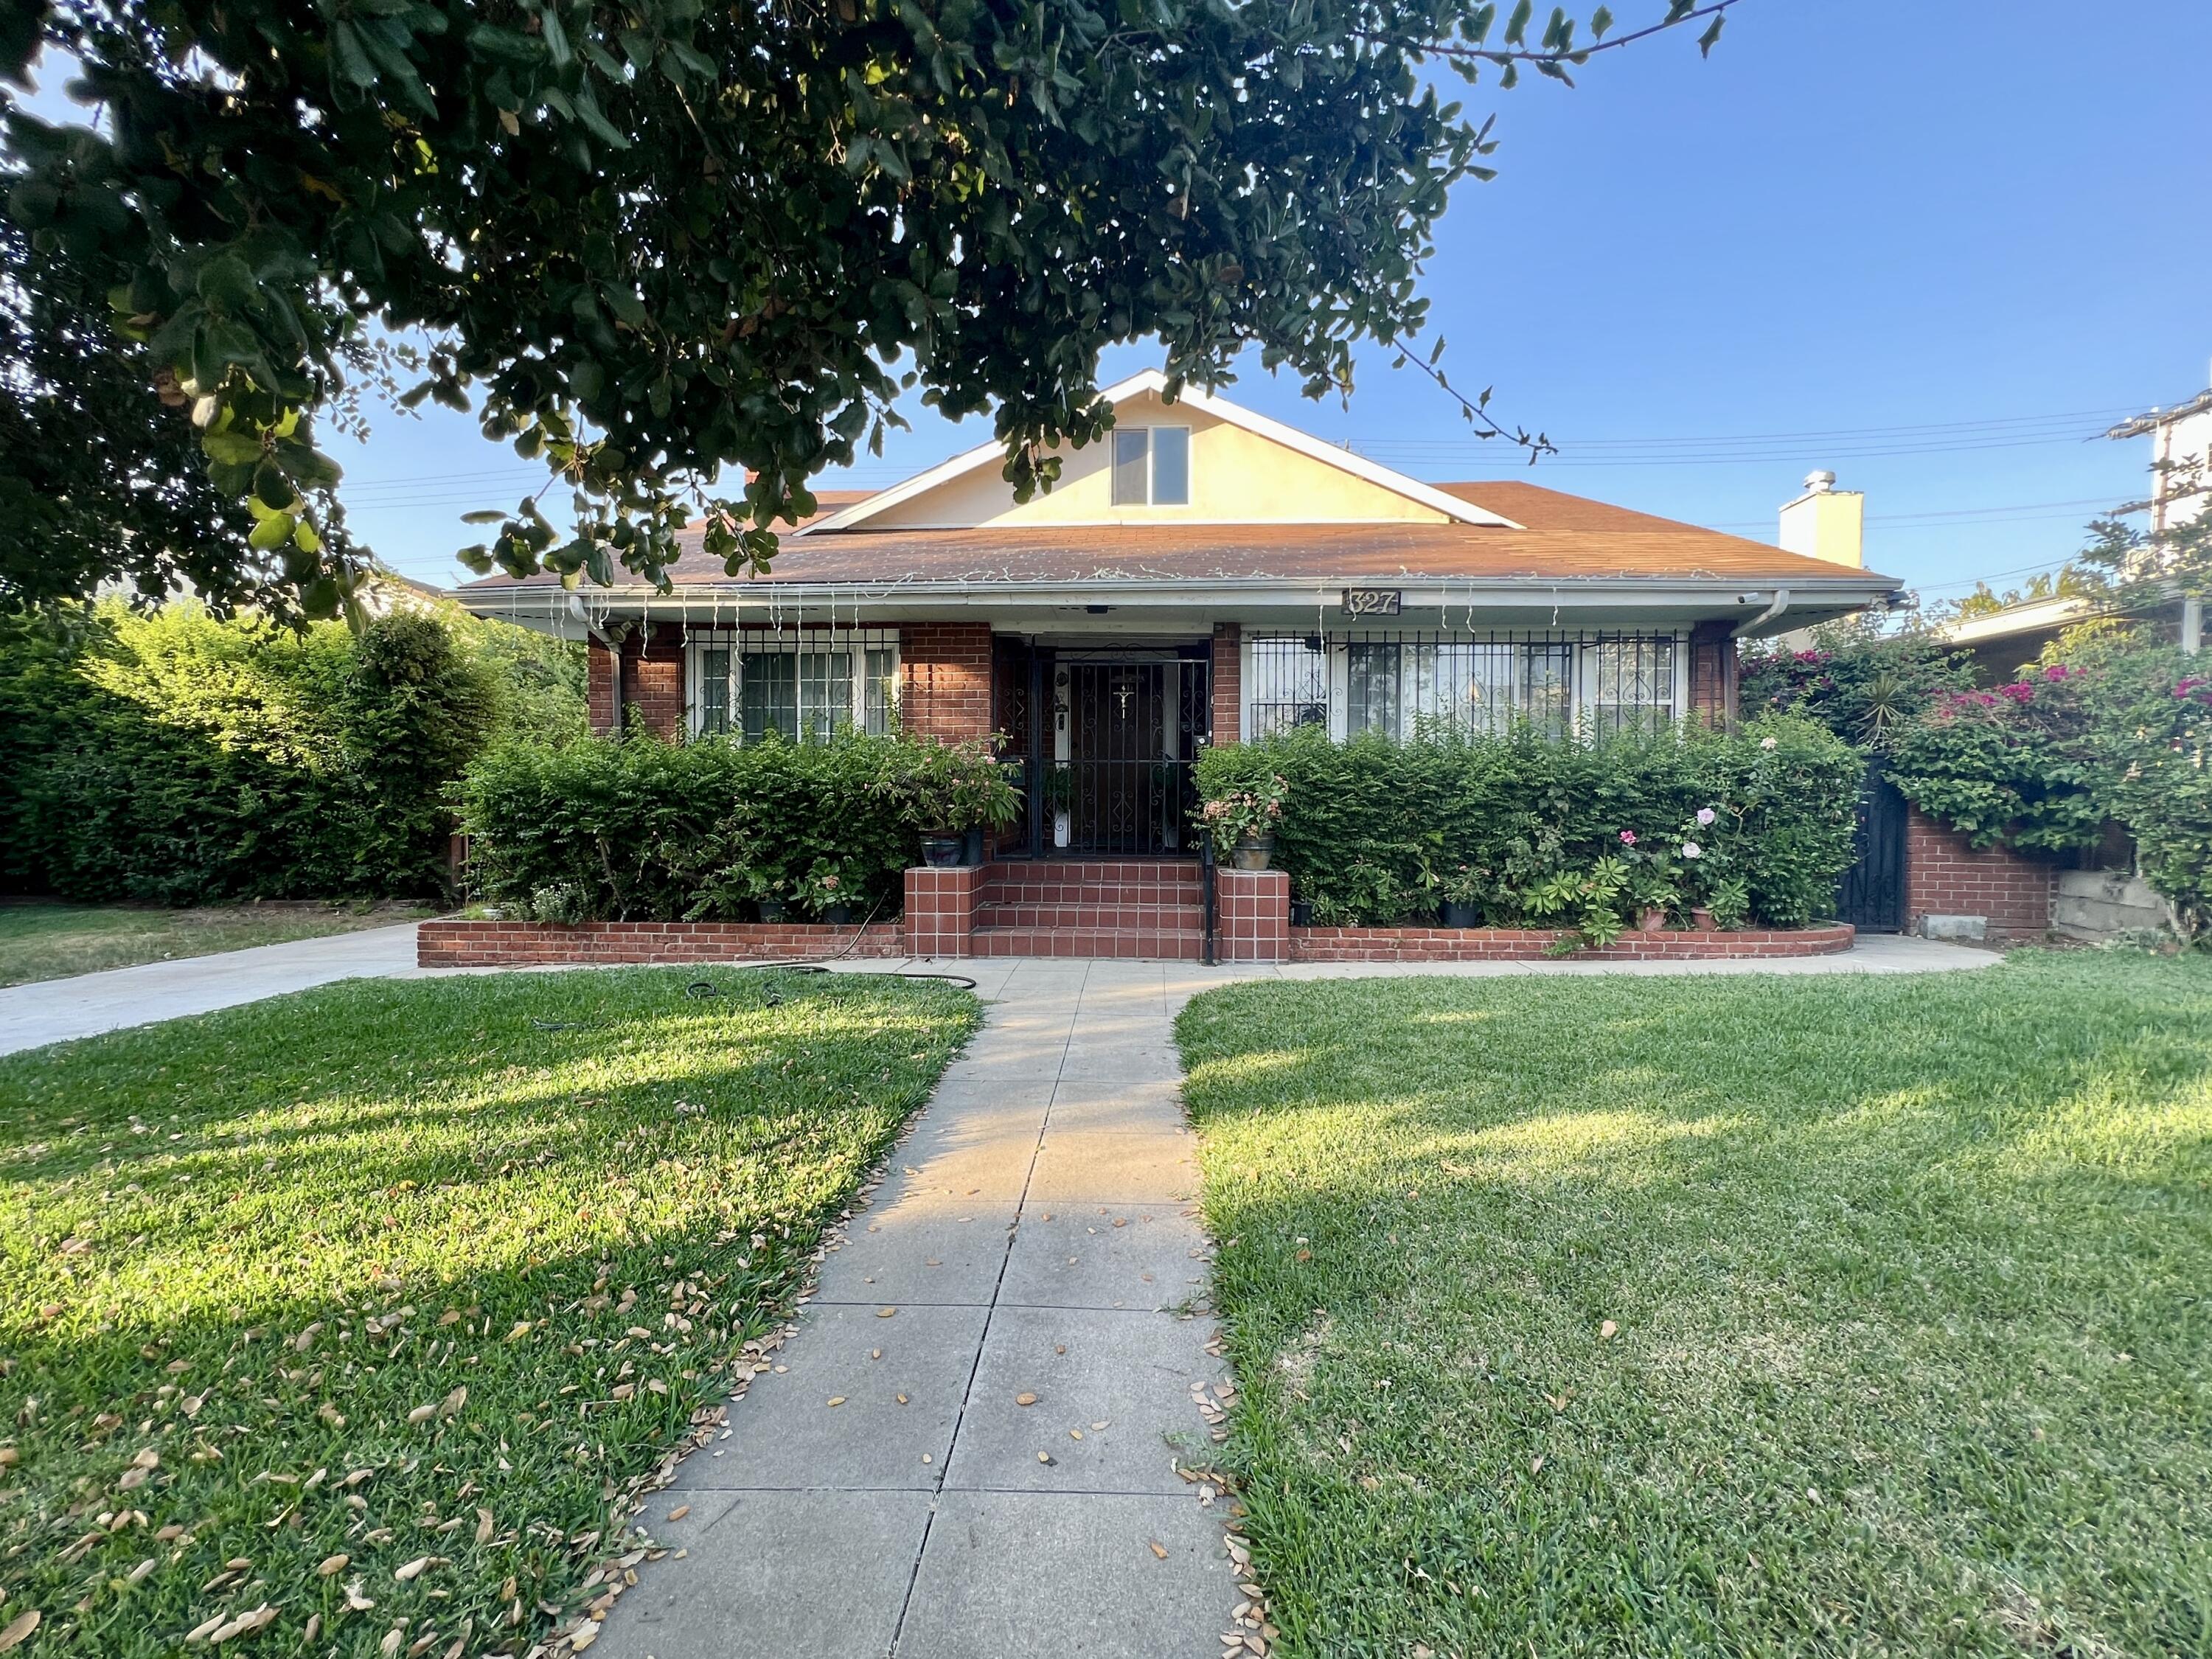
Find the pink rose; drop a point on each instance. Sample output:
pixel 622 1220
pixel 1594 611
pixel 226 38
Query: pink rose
pixel 1628 838
pixel 1692 850
pixel 1707 815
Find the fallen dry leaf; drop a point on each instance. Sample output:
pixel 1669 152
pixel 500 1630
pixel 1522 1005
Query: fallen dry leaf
pixel 332 1565
pixel 414 1569
pixel 484 1527
pixel 19 1629
pixel 679 1511
pixel 836 1398
pixel 1025 1400
pixel 1605 1332
pixel 1159 1550
pixel 885 1313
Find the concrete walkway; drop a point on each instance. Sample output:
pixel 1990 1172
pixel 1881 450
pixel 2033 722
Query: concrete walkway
pixel 970 1446
pixel 55 1010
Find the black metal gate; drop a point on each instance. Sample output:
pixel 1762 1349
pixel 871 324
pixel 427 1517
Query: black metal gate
pixel 1871 895
pixel 1106 739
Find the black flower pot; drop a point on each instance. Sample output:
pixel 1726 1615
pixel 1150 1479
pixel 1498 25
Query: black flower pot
pixel 941 852
pixel 1463 916
pixel 1300 912
pixel 836 914
pixel 972 846
pixel 771 909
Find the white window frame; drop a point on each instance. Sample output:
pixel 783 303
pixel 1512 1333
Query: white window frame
pixel 854 643
pixel 1151 491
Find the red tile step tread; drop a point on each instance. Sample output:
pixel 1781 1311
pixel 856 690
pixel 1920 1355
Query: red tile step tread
pixel 1123 944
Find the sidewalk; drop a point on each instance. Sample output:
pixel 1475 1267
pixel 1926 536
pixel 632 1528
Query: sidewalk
pixel 54 1010
pixel 970 1446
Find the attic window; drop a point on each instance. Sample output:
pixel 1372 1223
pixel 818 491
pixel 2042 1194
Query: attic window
pixel 1152 466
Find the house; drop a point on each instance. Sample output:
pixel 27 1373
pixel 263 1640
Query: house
pixel 2001 641
pixel 1205 574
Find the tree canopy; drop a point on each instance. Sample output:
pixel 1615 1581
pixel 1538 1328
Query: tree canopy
pixel 651 243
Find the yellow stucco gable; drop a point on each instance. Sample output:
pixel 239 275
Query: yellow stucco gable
pixel 1243 470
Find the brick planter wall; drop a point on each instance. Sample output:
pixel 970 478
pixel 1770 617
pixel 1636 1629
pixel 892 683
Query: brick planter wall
pixel 1531 944
pixel 456 944
pixel 1252 915
pixel 1945 876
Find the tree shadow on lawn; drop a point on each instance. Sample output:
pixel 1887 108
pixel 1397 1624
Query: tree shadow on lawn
pixel 388 1193
pixel 1906 1278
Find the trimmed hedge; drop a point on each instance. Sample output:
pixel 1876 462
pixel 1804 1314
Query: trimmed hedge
pixel 1535 831
pixel 178 758
pixel 642 830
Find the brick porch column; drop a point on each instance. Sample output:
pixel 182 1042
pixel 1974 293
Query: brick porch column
pixel 1228 683
pixel 652 680
pixel 946 667
pixel 599 700
pixel 1713 673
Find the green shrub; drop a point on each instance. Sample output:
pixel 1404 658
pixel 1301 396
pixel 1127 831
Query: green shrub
pixel 1537 831
pixel 2151 735
pixel 642 829
pixel 177 758
pixel 2008 766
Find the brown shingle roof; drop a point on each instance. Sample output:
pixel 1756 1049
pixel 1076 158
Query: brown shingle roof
pixel 1564 537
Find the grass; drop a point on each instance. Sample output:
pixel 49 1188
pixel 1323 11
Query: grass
pixel 40 940
pixel 240 1253
pixel 1726 1315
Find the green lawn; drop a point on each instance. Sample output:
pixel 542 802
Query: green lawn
pixel 241 1255
pixel 1725 1316
pixel 39 940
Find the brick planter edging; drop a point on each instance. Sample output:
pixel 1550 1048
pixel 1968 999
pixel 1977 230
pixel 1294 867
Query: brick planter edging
pixel 453 942
pixel 1531 944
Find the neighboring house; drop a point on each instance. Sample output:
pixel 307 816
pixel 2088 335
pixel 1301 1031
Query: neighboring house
pixel 2181 492
pixel 1202 574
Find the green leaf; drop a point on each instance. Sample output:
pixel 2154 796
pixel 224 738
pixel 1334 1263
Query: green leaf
pixel 272 531
pixel 348 58
pixel 233 449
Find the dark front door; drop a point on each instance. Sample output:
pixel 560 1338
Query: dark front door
pixel 1125 764
pixel 1871 895
pixel 1105 740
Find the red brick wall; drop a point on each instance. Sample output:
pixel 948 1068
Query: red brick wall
pixel 453 944
pixel 599 686
pixel 1228 683
pixel 1713 673
pixel 1945 876
pixel 1533 943
pixel 947 672
pixel 652 682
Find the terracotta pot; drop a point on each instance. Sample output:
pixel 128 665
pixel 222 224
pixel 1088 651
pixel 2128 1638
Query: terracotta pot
pixel 1653 922
pixel 1704 920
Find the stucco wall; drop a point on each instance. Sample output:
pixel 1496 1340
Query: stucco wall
pixel 1236 476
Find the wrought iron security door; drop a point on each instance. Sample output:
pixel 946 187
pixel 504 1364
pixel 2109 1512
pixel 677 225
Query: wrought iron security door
pixel 1871 895
pixel 1113 759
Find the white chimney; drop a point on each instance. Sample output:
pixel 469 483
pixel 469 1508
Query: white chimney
pixel 1826 523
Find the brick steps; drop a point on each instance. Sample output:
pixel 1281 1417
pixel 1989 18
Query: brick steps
pixel 1096 917
pixel 1119 944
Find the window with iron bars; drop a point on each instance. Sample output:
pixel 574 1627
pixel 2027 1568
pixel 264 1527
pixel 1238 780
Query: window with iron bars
pixel 1404 684
pixel 803 685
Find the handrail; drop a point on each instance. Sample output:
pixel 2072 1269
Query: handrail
pixel 1205 886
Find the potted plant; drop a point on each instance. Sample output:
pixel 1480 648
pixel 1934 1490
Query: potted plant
pixel 1653 884
pixel 824 891
pixel 770 902
pixel 1464 891
pixel 1243 822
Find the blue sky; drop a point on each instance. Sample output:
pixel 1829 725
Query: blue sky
pixel 1933 247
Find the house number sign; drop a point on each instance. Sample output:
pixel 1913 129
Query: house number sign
pixel 1371 601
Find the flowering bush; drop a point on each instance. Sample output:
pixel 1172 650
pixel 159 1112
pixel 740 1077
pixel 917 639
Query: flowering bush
pixel 823 884
pixel 1373 831
pixel 1253 811
pixel 2008 765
